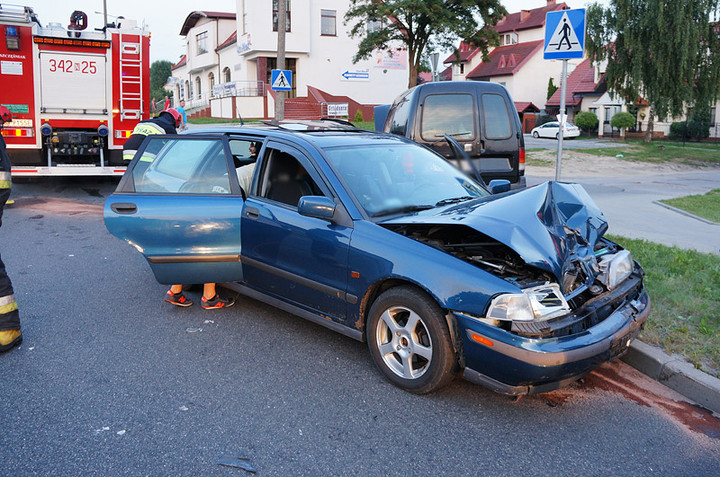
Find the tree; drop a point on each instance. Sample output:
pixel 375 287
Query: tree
pixel 422 25
pixel 551 88
pixel 622 121
pixel 586 120
pixel 667 53
pixel 160 71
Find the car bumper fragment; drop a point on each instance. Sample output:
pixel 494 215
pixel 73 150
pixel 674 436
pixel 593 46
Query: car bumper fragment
pixel 529 366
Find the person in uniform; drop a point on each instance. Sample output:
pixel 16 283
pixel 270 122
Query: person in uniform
pixel 166 122
pixel 10 334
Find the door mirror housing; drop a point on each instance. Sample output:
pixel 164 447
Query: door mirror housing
pixel 498 186
pixel 317 206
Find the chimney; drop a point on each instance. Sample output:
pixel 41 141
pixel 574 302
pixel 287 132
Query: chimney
pixel 524 14
pixel 550 2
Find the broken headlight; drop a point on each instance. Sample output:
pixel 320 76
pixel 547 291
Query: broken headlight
pixel 533 304
pixel 615 268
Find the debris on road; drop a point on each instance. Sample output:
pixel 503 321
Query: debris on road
pixel 193 329
pixel 237 463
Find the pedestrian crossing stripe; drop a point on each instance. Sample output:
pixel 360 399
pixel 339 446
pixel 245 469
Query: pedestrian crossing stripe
pixel 568 34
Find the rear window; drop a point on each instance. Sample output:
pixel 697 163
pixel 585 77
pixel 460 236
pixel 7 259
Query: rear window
pixel 496 117
pixel 450 114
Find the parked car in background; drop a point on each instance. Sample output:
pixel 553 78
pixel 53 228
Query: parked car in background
pixel 479 115
pixel 552 130
pixel 382 240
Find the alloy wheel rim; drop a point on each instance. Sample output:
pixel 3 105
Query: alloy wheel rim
pixel 404 343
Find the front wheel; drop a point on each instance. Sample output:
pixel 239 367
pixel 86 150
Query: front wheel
pixel 536 135
pixel 409 340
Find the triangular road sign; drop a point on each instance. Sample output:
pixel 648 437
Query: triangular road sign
pixel 564 38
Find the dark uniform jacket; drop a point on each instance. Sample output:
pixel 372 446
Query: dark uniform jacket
pixel 163 124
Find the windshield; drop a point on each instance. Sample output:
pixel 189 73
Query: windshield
pixel 395 178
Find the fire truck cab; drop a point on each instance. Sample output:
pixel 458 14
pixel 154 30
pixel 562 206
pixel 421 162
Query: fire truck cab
pixel 75 94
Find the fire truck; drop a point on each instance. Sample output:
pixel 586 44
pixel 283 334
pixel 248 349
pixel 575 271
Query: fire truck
pixel 75 94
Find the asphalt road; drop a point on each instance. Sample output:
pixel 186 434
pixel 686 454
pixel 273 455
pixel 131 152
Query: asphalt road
pixel 111 380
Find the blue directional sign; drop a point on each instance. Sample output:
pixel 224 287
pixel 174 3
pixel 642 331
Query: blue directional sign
pixel 281 80
pixel 356 75
pixel 564 34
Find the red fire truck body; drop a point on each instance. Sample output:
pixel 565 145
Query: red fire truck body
pixel 75 95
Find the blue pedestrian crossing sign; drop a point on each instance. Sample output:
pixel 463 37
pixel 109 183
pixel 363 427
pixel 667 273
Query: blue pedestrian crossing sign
pixel 564 34
pixel 281 80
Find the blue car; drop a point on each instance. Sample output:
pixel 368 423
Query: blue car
pixel 383 240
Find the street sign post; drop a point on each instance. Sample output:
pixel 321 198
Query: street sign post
pixel 281 80
pixel 564 39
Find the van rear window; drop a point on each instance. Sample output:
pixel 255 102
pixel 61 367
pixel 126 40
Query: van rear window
pixel 450 114
pixel 496 117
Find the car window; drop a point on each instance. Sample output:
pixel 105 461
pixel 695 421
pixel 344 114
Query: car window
pixel 391 177
pixel 285 179
pixel 245 154
pixel 399 119
pixel 496 117
pixel 184 165
pixel 447 114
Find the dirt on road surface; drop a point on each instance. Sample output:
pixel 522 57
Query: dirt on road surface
pixel 580 164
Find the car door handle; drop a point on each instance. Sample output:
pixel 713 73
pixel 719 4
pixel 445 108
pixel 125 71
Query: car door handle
pixel 252 212
pixel 124 207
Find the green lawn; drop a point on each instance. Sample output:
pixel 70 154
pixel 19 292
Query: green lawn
pixel 692 153
pixel 684 288
pixel 706 206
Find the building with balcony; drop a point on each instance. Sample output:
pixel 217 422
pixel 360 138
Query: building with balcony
pixel 227 68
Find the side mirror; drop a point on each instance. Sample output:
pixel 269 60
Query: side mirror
pixel 317 206
pixel 498 186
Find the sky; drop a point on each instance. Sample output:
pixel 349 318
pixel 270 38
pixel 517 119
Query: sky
pixel 165 18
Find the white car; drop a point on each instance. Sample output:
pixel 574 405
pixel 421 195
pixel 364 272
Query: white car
pixel 552 130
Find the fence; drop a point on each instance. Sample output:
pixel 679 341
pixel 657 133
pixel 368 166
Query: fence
pixel 239 88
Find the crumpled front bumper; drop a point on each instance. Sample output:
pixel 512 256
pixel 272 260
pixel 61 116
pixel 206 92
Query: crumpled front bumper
pixel 515 365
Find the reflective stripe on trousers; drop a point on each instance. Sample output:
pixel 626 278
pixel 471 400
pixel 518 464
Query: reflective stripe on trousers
pixel 9 315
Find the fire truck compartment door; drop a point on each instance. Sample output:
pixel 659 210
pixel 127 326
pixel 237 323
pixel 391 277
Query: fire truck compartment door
pixel 73 83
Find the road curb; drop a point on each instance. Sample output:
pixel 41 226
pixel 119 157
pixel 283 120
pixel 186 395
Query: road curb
pixel 685 213
pixel 675 373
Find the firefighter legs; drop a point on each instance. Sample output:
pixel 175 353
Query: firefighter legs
pixel 9 317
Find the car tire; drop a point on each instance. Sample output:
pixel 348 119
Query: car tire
pixel 409 340
pixel 557 135
pixel 536 135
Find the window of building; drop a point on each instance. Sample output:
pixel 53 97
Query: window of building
pixel 188 88
pixel 508 39
pixel 462 68
pixel 211 83
pixel 226 75
pixel 287 17
pixel 374 26
pixel 201 39
pixel 198 87
pixel 327 22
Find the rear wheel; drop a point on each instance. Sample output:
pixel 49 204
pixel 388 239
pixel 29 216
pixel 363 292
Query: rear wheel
pixel 409 340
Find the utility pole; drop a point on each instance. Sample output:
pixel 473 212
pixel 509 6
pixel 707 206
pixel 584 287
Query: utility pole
pixel 280 95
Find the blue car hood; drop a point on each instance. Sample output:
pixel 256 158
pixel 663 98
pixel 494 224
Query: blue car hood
pixel 550 225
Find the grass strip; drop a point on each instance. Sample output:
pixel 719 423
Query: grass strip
pixel 684 286
pixel 706 206
pixel 661 151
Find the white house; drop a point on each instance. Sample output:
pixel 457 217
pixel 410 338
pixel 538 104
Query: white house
pixel 231 74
